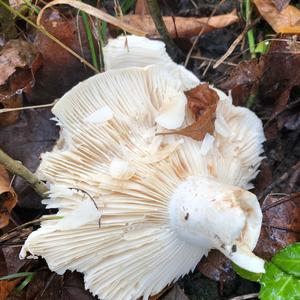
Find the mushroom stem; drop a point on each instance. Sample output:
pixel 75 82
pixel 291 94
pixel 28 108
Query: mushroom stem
pixel 17 168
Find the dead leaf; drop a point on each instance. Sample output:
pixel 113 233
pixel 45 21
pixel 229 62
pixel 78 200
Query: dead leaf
pixel 8 197
pixel 92 11
pixel 6 287
pixel 15 54
pixel 281 4
pixel 216 267
pixel 181 27
pixel 280 72
pixel 176 293
pixel 198 130
pixel 243 81
pixel 16 4
pixel 200 98
pixel 285 21
pixel 9 100
pixel 60 71
pixel 281 224
pixel 141 7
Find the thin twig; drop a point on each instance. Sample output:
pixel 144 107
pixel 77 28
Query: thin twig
pixel 172 49
pixel 244 297
pixel 5 110
pixel 200 33
pixel 199 57
pixel 19 169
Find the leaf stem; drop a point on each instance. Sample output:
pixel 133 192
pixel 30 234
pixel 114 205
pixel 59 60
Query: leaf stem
pixel 250 33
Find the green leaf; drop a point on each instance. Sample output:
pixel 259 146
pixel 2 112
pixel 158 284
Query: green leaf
pixel 247 274
pixel 288 259
pixel 278 285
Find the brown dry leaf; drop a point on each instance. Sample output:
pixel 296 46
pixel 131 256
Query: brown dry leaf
pixel 216 267
pixel 181 27
pixel 8 197
pixel 200 98
pixel 15 54
pixel 92 11
pixel 285 21
pixel 6 287
pixel 198 130
pixel 281 4
pixel 281 224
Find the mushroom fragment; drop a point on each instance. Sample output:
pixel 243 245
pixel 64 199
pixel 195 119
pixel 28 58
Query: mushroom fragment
pixel 163 201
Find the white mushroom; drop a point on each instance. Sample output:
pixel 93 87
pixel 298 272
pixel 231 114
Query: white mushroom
pixel 162 201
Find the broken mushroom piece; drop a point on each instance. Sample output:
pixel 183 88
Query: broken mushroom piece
pixel 152 205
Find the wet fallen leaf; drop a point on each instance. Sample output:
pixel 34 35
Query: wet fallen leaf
pixel 281 224
pixel 216 267
pixel 281 4
pixel 60 70
pixel 176 293
pixel 9 100
pixel 8 197
pixel 200 98
pixel 15 54
pixel 286 20
pixel 181 27
pixel 242 81
pixel 280 72
pixel 6 286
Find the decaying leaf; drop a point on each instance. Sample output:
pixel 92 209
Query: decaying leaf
pixel 200 98
pixel 281 224
pixel 281 4
pixel 243 81
pixel 216 267
pixel 285 21
pixel 280 72
pixel 60 69
pixel 92 11
pixel 15 54
pixel 141 7
pixel 8 197
pixel 9 100
pixel 176 293
pixel 181 27
pixel 6 286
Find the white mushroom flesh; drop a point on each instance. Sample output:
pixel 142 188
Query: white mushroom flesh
pixel 141 188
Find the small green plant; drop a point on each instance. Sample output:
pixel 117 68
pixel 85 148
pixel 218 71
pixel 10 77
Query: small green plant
pixel 282 277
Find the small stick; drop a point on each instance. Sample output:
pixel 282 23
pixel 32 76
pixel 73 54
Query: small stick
pixel 19 169
pixel 244 297
pixel 162 29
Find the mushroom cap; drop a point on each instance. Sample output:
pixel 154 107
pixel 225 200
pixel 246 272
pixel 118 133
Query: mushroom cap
pixel 110 167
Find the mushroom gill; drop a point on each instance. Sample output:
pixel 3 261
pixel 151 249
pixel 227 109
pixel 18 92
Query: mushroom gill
pixel 140 210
